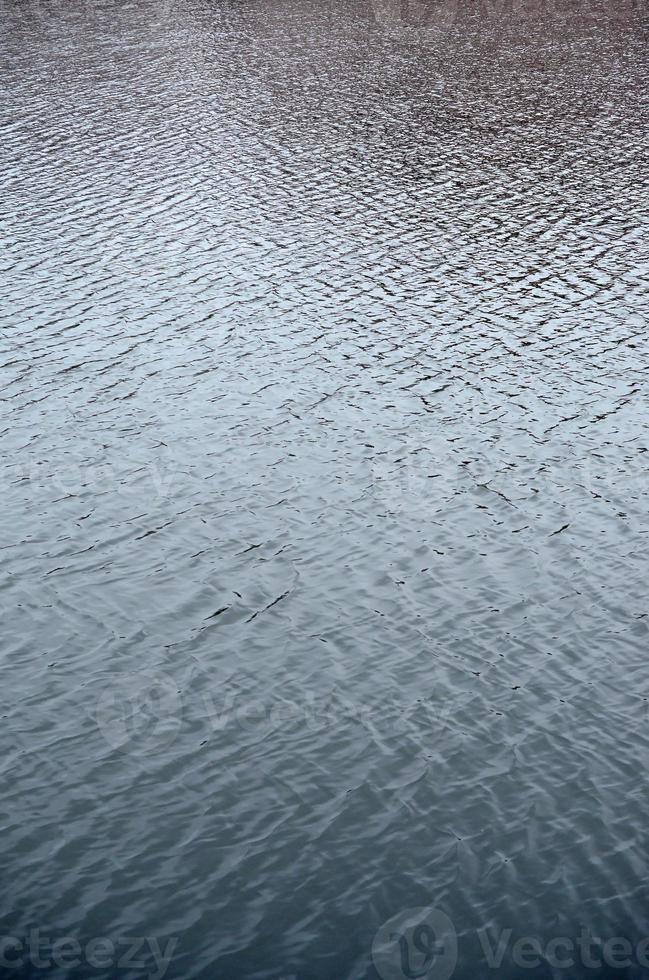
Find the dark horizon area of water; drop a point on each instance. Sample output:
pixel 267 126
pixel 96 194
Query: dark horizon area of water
pixel 323 369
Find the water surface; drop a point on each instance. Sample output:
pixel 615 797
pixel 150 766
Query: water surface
pixel 324 530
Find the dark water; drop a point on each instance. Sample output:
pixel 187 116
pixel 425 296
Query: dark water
pixel 324 359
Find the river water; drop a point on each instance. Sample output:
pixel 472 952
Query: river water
pixel 323 356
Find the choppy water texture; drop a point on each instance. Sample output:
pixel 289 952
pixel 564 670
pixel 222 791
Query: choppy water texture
pixel 324 526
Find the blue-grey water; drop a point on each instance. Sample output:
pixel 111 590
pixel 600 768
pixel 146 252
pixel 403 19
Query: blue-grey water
pixel 324 362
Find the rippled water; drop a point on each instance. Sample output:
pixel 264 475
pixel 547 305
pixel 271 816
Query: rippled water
pixel 324 363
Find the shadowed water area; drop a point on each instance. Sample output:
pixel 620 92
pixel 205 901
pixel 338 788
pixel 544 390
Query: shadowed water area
pixel 324 528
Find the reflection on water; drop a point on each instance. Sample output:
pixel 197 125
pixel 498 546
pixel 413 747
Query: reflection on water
pixel 324 373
